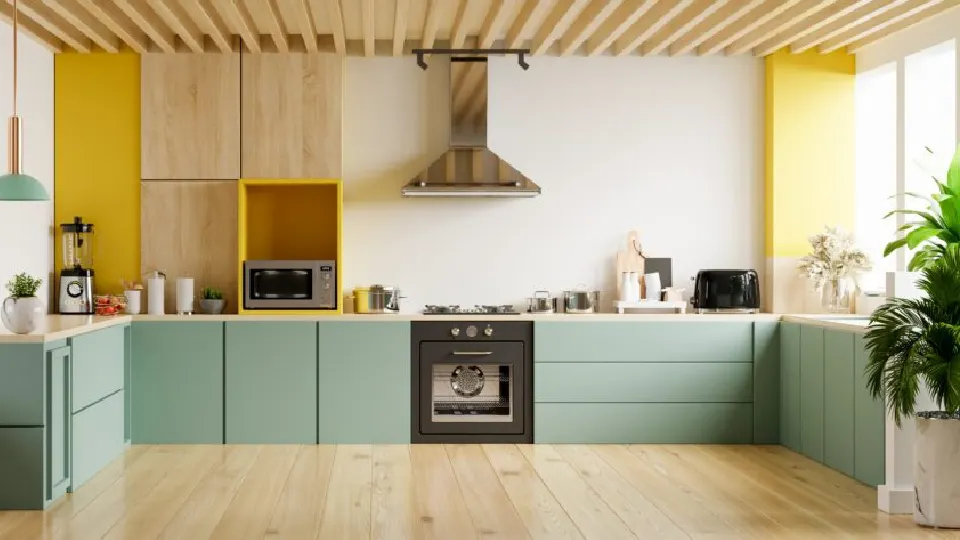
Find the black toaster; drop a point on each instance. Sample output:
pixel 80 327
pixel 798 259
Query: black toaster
pixel 720 291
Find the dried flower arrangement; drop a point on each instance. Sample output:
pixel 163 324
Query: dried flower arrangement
pixel 834 256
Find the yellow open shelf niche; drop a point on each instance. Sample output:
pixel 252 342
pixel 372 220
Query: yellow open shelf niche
pixel 296 219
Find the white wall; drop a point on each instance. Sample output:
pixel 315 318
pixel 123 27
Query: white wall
pixel 671 147
pixel 26 227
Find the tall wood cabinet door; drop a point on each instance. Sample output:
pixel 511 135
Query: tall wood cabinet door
pixel 291 118
pixel 190 116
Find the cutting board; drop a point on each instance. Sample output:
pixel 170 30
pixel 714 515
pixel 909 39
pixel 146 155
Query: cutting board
pixel 629 260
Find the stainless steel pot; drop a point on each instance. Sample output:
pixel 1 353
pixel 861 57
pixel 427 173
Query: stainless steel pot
pixel 541 302
pixel 376 299
pixel 581 301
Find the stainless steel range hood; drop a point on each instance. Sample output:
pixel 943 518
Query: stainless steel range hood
pixel 468 168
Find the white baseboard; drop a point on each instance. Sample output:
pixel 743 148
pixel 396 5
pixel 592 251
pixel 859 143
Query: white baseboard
pixel 895 499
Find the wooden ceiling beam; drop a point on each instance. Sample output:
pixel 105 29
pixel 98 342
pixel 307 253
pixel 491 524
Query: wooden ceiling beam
pixel 747 24
pixel 619 22
pixel 161 36
pixel 787 18
pixel 431 23
pixel 851 19
pixel 458 34
pixel 400 18
pixel 730 13
pixel 111 17
pixel 30 27
pixel 210 24
pixel 587 23
pixel 549 31
pixel 681 25
pixel 655 19
pixel 903 24
pixel 804 28
pixel 46 18
pixel 180 22
pixel 521 25
pixel 894 16
pixel 299 12
pixel 335 19
pixel 496 18
pixel 270 13
pixel 74 14
pixel 233 12
pixel 368 22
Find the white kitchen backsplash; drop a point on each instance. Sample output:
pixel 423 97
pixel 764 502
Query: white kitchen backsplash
pixel 671 147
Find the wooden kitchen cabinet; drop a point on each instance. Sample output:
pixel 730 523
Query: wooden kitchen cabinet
pixel 190 116
pixel 291 115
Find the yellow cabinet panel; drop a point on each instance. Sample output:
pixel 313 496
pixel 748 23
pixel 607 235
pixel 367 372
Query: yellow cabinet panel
pixel 291 117
pixel 190 116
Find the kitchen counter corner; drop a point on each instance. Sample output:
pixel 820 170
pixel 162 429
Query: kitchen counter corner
pixel 54 327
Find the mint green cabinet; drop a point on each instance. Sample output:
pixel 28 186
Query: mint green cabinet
pixel 766 382
pixel 22 468
pixel 790 385
pixel 96 438
pixel 21 376
pixel 364 382
pixel 869 423
pixel 838 392
pixel 58 423
pixel 270 375
pixel 98 365
pixel 177 382
pixel 811 392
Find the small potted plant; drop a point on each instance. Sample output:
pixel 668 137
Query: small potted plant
pixel 212 302
pixel 22 310
pixel 914 344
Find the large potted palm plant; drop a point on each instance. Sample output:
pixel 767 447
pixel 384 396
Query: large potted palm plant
pixel 914 347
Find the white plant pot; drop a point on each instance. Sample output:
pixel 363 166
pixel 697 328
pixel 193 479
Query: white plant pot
pixel 21 315
pixel 936 476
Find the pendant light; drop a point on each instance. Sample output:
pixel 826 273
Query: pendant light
pixel 17 186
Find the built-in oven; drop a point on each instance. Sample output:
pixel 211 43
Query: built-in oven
pixel 275 284
pixel 471 382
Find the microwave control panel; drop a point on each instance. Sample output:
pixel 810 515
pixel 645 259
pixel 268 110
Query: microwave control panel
pixel 327 295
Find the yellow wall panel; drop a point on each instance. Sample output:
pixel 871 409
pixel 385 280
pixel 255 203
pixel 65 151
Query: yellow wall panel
pixel 97 158
pixel 809 147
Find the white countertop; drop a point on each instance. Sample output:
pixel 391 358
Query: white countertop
pixel 56 327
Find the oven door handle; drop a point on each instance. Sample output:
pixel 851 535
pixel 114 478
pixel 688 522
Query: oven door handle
pixel 472 353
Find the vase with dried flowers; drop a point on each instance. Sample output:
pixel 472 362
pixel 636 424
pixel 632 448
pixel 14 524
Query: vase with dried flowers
pixel 831 264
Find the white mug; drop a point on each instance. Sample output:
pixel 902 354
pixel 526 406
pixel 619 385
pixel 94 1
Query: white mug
pixel 133 301
pixel 652 282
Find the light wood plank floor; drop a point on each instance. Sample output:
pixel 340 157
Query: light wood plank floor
pixel 454 492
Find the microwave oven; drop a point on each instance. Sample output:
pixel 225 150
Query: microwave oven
pixel 274 284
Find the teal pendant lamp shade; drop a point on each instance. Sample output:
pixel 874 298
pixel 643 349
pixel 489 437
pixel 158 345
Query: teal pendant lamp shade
pixel 17 186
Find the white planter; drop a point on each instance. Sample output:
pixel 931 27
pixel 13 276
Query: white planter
pixel 21 315
pixel 936 477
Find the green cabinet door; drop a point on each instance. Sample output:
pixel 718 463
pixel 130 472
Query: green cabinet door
pixel 97 365
pixel 57 429
pixel 790 385
pixel 869 423
pixel 21 384
pixel 364 382
pixel 271 382
pixel 838 391
pixel 177 382
pixel 766 382
pixel 811 392
pixel 21 468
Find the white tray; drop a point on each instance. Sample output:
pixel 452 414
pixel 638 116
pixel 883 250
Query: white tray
pixel 679 306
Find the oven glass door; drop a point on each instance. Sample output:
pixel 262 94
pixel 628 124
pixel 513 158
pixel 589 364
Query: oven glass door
pixel 471 387
pixel 281 284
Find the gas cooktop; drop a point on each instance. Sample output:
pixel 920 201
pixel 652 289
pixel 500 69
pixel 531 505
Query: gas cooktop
pixel 474 310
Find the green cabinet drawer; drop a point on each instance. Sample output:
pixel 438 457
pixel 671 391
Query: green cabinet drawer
pixel 616 382
pixel 766 382
pixel 790 385
pixel 21 468
pixel 177 387
pixel 655 341
pixel 97 438
pixel 869 423
pixel 98 365
pixel 271 382
pixel 838 397
pixel 21 384
pixel 364 382
pixel 643 423
pixel 811 392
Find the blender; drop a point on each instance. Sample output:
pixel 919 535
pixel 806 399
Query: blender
pixel 76 277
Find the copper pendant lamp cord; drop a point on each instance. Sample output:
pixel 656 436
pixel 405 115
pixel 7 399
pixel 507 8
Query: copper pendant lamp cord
pixel 15 154
pixel 15 17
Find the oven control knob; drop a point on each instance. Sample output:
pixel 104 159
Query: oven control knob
pixel 471 331
pixel 488 331
pixel 454 332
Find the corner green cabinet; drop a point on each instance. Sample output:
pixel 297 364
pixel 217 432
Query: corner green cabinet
pixel 364 382
pixel 838 383
pixel 766 382
pixel 869 423
pixel 790 385
pixel 270 375
pixel 177 382
pixel 58 423
pixel 811 392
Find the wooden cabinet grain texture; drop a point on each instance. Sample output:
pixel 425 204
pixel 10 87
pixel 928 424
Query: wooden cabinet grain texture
pixel 291 115
pixel 190 116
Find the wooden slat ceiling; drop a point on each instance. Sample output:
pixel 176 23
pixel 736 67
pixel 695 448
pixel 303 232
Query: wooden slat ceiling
pixel 393 27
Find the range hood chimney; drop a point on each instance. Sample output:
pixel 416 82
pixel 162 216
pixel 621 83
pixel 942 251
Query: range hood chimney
pixel 468 168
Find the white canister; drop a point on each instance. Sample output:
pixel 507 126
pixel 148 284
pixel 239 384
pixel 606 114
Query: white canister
pixel 132 298
pixel 629 287
pixel 156 285
pixel 184 296
pixel 652 282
